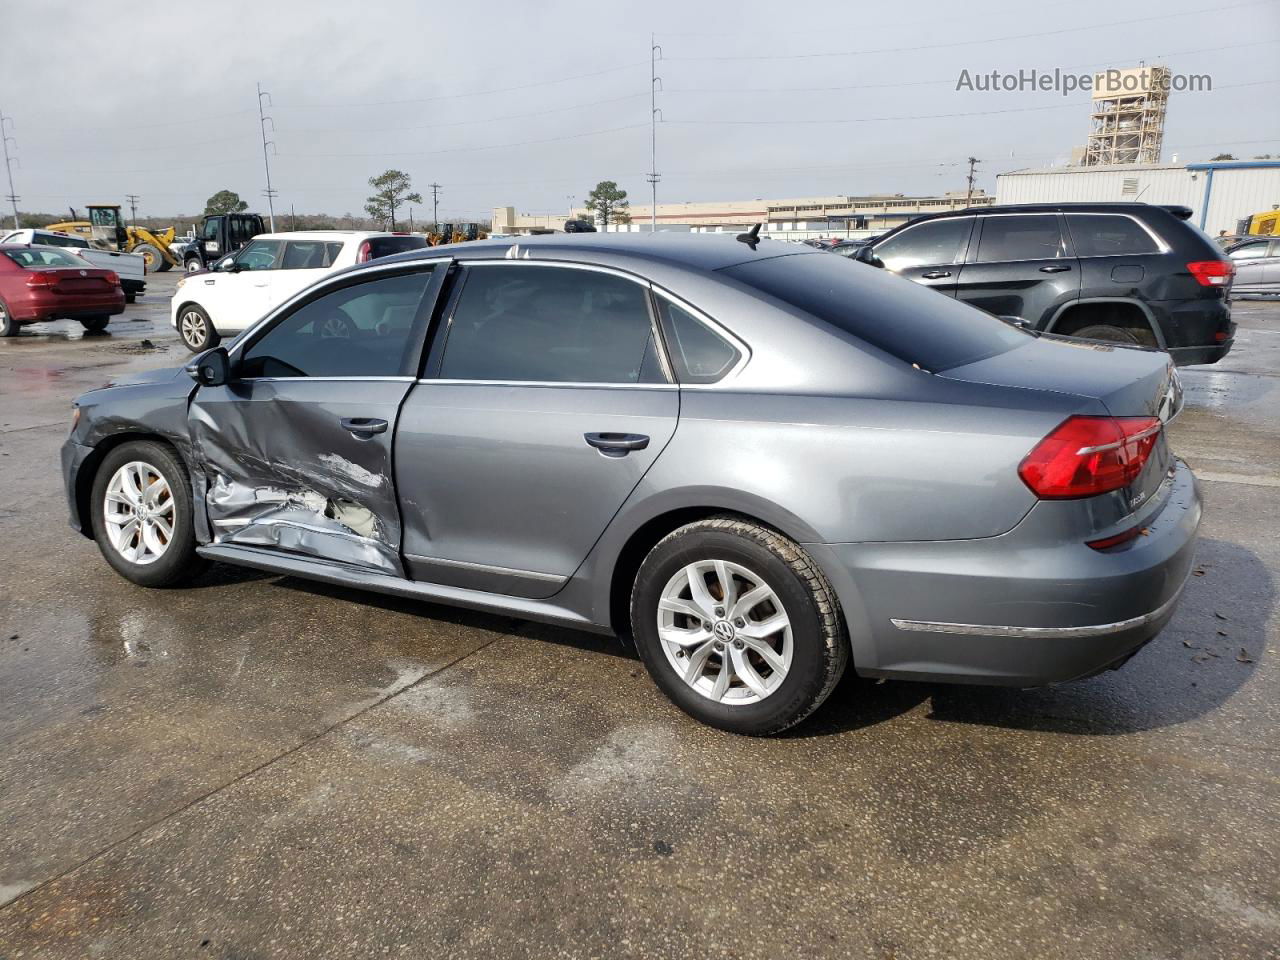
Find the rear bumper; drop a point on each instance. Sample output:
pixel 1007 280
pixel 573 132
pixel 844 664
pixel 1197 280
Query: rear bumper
pixel 1031 607
pixel 1196 331
pixel 37 308
pixel 1182 356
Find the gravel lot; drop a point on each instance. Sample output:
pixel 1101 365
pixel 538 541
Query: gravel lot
pixel 264 767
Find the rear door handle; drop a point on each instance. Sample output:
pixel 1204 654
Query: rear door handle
pixel 363 427
pixel 935 274
pixel 1055 268
pixel 616 444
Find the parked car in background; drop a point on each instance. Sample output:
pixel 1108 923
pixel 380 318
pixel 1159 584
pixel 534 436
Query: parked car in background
pixel 48 283
pixel 218 236
pixel 1257 263
pixel 759 461
pixel 131 268
pixel 1119 272
pixel 848 248
pixel 265 273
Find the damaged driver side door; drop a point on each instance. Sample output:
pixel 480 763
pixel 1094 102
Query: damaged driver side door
pixel 296 449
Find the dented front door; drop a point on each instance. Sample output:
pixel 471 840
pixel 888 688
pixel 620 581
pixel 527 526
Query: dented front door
pixel 295 451
pixel 294 465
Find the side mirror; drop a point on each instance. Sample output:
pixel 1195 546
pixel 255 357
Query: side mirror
pixel 211 369
pixel 868 256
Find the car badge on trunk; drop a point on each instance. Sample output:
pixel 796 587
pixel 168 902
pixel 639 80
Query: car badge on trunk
pixel 84 273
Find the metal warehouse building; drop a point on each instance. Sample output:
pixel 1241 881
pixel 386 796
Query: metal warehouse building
pixel 1222 193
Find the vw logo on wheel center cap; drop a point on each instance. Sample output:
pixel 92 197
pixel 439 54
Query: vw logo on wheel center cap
pixel 723 630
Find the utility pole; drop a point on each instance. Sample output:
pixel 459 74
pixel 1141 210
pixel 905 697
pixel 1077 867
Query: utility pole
pixel 973 162
pixel 571 197
pixel 133 199
pixel 8 164
pixel 411 219
pixel 263 119
pixel 435 206
pixel 293 220
pixel 655 84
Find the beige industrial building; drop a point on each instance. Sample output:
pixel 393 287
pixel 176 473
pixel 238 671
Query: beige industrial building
pixel 799 217
pixel 1127 121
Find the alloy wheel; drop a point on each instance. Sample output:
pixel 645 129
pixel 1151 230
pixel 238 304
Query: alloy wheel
pixel 725 632
pixel 138 510
pixel 194 329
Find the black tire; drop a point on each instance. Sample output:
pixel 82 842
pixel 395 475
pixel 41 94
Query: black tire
pixel 8 325
pixel 820 647
pixel 192 265
pixel 179 560
pixel 1113 334
pixel 196 329
pixel 163 266
pixel 151 257
pixel 130 296
pixel 95 324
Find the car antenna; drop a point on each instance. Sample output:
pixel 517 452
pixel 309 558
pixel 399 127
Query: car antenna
pixel 751 237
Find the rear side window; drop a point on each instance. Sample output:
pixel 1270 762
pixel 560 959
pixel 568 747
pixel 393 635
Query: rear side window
pixel 551 324
pixel 1105 235
pixel 698 353
pixel 386 246
pixel 927 244
pixel 907 321
pixel 310 254
pixel 57 240
pixel 1022 237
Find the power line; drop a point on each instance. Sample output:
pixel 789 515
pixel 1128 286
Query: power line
pixel 488 146
pixel 266 163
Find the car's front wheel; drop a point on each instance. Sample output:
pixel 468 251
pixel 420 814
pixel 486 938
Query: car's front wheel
pixel 738 626
pixel 141 514
pixel 196 329
pixel 8 325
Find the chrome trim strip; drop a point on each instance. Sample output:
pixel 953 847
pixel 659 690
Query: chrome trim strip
pixel 573 384
pixel 488 568
pixel 744 351
pixel 323 379
pixel 1039 633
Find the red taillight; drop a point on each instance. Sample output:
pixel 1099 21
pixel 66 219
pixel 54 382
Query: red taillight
pixel 112 278
pixel 1085 456
pixel 1212 273
pixel 365 253
pixel 42 278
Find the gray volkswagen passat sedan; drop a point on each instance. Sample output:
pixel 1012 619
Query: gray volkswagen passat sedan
pixel 760 461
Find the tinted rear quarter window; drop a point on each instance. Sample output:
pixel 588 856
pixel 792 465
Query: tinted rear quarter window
pixel 386 246
pixel 913 323
pixel 1108 235
pixel 698 353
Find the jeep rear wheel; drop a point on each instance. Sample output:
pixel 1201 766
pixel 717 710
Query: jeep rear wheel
pixel 1113 334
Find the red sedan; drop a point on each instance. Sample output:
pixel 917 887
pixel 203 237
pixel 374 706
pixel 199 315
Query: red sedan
pixel 45 283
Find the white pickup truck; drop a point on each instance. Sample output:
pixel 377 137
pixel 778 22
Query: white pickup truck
pixel 130 267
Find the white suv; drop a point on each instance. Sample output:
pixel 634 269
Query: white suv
pixel 265 272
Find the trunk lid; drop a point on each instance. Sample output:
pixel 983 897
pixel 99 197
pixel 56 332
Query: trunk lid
pixel 1126 381
pixel 89 280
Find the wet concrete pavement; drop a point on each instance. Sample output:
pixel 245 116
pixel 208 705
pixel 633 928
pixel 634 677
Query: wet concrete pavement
pixel 261 767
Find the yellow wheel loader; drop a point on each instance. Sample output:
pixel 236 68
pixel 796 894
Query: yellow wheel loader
pixel 106 230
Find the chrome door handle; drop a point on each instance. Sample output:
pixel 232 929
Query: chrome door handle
pixel 935 274
pixel 1056 268
pixel 363 427
pixel 616 444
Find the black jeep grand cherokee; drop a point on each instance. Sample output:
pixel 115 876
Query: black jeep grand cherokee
pixel 1122 272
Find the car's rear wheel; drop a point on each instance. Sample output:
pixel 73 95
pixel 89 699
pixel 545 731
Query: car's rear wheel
pixel 738 626
pixel 8 325
pixel 95 324
pixel 141 514
pixel 196 329
pixel 1113 334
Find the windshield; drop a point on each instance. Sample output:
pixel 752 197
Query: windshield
pixel 913 323
pixel 37 257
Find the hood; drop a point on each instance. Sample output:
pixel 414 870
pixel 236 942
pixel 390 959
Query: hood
pixel 1128 381
pixel 163 375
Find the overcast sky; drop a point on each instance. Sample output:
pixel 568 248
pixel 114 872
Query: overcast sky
pixel 510 102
